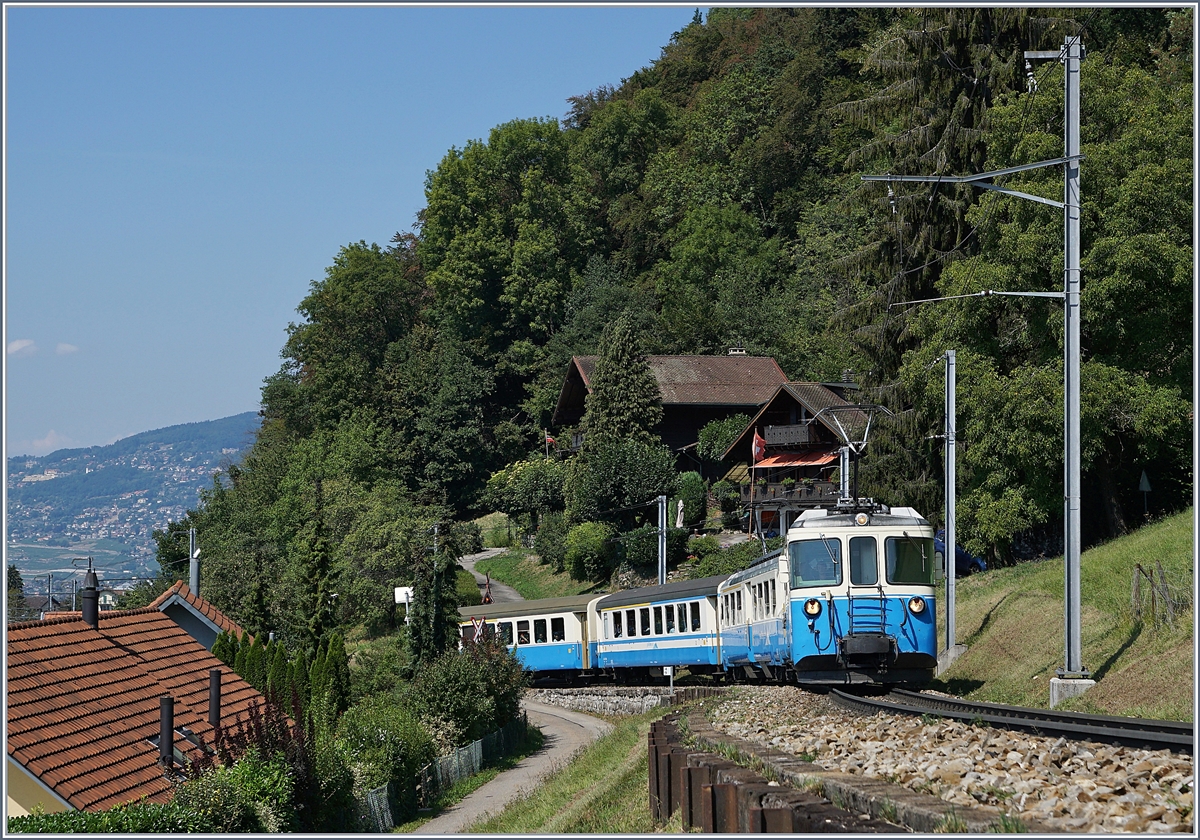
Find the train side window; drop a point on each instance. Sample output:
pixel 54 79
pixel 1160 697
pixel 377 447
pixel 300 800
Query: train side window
pixel 539 631
pixel 506 634
pixel 695 615
pixel 522 632
pixel 645 617
pixel 815 562
pixel 608 630
pixel 774 604
pixel 682 610
pixel 558 630
pixel 864 565
pixel 669 609
pixel 630 623
pixel 658 621
pixel 724 610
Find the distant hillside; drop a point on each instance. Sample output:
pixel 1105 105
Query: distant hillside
pixel 105 501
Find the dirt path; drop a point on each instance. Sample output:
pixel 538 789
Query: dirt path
pixel 501 592
pixel 565 732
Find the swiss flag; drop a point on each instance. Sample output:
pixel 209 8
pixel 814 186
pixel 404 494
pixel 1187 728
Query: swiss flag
pixel 760 447
pixel 549 439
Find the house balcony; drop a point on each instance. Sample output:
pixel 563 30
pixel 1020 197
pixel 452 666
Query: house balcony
pixel 802 493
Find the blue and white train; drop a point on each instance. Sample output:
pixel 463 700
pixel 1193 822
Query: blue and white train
pixel 849 599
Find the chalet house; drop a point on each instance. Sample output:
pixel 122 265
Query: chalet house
pixel 695 390
pixel 86 708
pixel 801 424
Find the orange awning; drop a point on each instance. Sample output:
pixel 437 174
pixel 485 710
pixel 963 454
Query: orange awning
pixel 798 459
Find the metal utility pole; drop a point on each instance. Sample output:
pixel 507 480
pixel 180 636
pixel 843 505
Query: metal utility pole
pixel 662 540
pixel 950 546
pixel 193 563
pixel 1070 55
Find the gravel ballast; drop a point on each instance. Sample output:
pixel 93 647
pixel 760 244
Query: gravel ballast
pixel 1069 786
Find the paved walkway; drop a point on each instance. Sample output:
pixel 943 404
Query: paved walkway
pixel 565 733
pixel 501 592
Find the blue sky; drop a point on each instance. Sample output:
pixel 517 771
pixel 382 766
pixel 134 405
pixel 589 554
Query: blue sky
pixel 176 177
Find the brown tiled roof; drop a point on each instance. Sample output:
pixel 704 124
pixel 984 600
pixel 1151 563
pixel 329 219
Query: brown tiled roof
pixel 180 592
pixel 706 380
pixel 83 704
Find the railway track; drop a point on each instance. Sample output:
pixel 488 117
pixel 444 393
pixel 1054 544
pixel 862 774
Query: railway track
pixel 1132 732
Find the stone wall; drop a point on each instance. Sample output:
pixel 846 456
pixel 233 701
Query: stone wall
pixel 624 700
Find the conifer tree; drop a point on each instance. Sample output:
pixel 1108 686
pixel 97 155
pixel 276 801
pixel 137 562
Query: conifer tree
pixel 625 403
pixel 278 676
pixel 337 674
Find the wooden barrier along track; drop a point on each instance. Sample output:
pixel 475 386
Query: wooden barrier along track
pixel 1131 732
pixel 715 795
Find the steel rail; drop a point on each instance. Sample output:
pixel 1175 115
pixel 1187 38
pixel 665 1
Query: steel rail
pixel 1133 732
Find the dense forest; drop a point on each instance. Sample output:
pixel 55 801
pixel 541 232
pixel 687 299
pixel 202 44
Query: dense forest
pixel 715 198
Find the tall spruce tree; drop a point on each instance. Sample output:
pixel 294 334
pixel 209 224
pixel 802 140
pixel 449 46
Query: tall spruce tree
pixel 625 403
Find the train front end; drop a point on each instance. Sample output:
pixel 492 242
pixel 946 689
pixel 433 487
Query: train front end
pixel 862 596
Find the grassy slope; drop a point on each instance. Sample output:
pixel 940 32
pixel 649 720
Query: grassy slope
pixel 1012 622
pixel 532 579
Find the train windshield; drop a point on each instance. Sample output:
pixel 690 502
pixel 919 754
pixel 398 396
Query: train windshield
pixel 816 562
pixel 910 560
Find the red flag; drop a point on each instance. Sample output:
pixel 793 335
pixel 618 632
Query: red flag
pixel 549 439
pixel 760 447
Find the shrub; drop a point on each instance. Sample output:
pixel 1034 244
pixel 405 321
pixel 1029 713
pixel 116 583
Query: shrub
pixel 694 493
pixel 550 541
pixel 476 689
pixel 387 744
pixel 728 497
pixel 716 436
pixel 215 799
pixel 470 537
pixel 589 551
pixel 268 787
pixel 640 547
pixel 733 559
pixel 701 547
pixel 615 475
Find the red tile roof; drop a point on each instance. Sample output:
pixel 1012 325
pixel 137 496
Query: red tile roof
pixel 180 592
pixel 706 380
pixel 83 703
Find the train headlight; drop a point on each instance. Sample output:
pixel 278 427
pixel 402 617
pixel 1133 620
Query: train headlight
pixel 812 608
pixel 862 519
pixel 916 605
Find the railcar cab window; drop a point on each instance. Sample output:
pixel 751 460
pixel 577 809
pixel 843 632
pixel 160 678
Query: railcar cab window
pixel 864 567
pixel 815 562
pixel 558 630
pixel 910 560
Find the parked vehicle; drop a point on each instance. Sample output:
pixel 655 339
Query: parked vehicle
pixel 965 563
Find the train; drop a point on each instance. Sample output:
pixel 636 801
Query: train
pixel 850 599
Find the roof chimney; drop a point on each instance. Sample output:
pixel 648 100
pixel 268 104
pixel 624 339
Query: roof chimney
pixel 166 731
pixel 214 697
pixel 90 597
pixel 737 350
pixel 847 375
